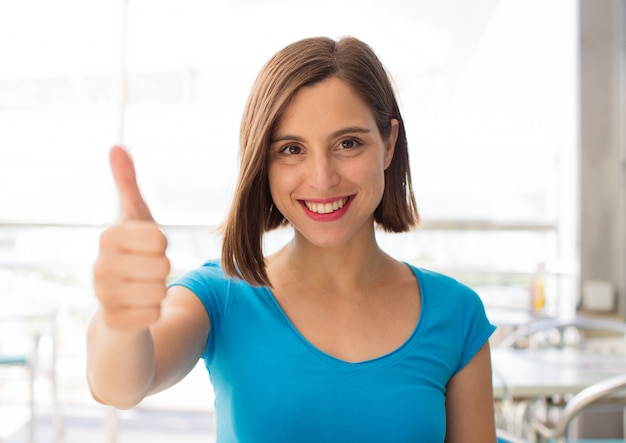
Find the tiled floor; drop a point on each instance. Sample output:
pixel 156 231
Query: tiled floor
pixel 183 413
pixel 89 425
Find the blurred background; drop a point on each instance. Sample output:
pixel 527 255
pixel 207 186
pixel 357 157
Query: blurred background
pixel 515 118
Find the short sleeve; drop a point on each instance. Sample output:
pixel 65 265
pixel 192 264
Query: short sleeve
pixel 212 288
pixel 476 327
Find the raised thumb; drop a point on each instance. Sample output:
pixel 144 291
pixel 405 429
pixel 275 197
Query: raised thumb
pixel 133 206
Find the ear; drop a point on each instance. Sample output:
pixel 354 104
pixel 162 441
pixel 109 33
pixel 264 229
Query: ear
pixel 390 143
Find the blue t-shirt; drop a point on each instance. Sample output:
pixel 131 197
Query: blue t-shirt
pixel 272 385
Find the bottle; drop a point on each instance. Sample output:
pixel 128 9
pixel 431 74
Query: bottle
pixel 537 290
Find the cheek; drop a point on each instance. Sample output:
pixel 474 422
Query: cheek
pixel 374 177
pixel 380 184
pixel 280 184
pixel 272 182
pixel 377 186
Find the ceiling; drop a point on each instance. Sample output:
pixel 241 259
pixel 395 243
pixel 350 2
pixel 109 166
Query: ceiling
pixel 440 34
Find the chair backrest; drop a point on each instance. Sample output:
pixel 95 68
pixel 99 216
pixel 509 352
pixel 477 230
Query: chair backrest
pixel 16 336
pixel 561 333
pixel 593 394
pixel 506 437
pixel 21 331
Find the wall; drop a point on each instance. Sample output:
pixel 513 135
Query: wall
pixel 602 86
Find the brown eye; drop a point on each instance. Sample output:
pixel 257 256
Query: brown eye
pixel 291 150
pixel 349 143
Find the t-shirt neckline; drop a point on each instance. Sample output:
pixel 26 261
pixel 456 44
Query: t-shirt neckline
pixel 375 362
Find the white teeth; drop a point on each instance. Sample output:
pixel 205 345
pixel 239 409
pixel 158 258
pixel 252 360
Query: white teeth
pixel 325 208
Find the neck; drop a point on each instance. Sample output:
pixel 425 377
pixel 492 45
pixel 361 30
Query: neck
pixel 338 269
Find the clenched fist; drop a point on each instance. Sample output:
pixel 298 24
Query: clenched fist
pixel 131 268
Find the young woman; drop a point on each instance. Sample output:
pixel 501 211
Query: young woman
pixel 329 339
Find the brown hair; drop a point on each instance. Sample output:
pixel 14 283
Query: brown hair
pixel 302 63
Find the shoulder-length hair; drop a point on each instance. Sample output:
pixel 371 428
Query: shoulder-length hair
pixel 302 63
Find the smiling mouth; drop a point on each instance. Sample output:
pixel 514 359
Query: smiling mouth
pixel 326 208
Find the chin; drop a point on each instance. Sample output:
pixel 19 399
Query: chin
pixel 326 240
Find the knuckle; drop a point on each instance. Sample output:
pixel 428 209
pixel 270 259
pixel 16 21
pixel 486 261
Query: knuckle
pixel 163 241
pixel 101 268
pixel 109 265
pixel 110 235
pixel 157 238
pixel 108 295
pixel 166 267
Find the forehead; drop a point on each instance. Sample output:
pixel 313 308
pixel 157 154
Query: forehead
pixel 330 102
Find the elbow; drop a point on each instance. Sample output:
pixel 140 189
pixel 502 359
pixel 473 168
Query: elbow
pixel 117 403
pixel 108 398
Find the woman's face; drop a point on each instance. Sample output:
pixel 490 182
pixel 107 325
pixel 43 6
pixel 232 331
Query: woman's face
pixel 326 163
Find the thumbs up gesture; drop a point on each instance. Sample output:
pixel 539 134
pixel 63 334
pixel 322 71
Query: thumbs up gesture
pixel 131 268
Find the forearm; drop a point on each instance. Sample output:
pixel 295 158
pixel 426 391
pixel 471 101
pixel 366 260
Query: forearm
pixel 120 364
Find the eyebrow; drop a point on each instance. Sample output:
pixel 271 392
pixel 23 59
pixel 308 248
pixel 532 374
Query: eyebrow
pixel 339 133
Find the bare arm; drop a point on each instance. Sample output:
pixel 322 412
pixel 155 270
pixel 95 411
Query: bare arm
pixel 180 337
pixel 143 338
pixel 469 402
pixel 123 367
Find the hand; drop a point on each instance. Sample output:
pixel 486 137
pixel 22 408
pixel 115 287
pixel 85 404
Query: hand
pixel 131 268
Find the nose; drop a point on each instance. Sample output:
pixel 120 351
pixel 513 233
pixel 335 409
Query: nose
pixel 323 172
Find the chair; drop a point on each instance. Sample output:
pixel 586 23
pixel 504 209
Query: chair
pixel 506 437
pixel 24 361
pixel 20 338
pixel 601 391
pixel 594 336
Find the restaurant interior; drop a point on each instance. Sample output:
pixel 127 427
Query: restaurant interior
pixel 515 113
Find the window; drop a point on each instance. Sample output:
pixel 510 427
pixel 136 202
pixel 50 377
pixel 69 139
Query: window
pixel 487 95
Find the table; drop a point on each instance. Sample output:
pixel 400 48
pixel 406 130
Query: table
pixel 522 376
pixel 527 374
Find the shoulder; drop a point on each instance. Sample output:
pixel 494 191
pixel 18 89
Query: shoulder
pixel 447 296
pixel 441 284
pixel 214 288
pixel 210 282
pixel 210 271
pixel 456 311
